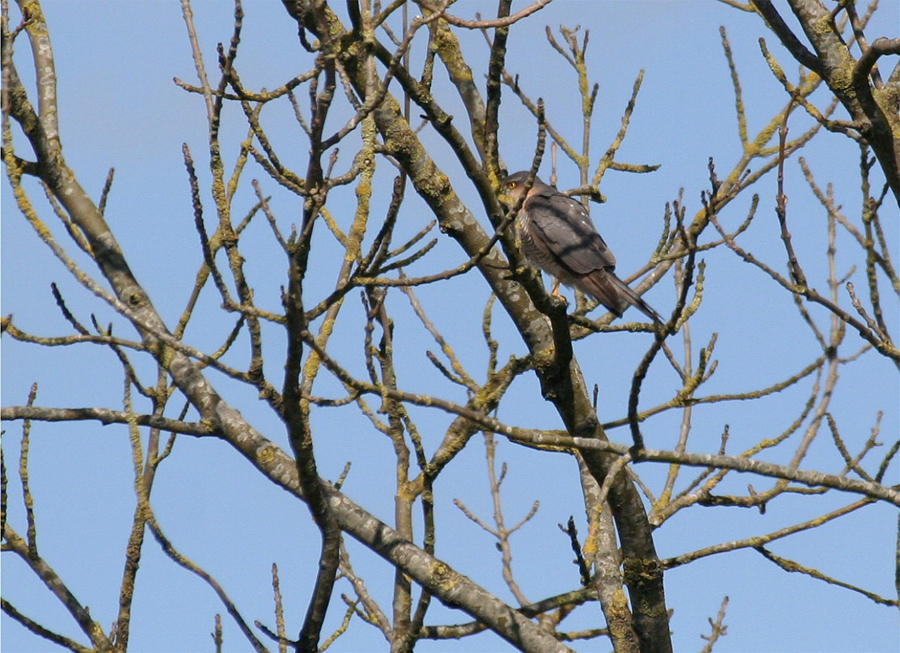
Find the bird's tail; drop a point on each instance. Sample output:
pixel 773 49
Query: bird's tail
pixel 604 286
pixel 634 299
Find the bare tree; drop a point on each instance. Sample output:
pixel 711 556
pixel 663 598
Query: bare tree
pixel 352 259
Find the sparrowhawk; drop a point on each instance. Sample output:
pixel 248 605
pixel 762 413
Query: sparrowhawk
pixel 557 235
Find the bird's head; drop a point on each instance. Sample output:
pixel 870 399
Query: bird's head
pixel 513 186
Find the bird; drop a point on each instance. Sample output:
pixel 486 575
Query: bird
pixel 556 234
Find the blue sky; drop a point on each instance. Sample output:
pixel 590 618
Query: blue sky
pixel 119 108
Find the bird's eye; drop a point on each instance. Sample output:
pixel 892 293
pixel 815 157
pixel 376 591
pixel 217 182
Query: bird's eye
pixel 511 184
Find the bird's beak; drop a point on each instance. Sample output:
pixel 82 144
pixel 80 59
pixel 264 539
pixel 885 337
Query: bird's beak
pixel 506 200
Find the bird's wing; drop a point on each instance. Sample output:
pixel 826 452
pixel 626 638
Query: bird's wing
pixel 563 229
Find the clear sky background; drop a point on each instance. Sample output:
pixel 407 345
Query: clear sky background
pixel 120 108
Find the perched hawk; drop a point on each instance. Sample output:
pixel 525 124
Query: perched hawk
pixel 557 235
